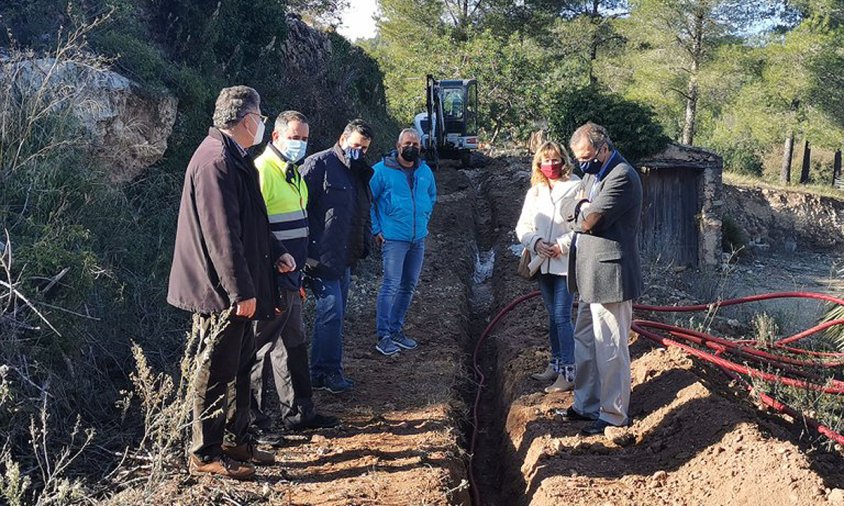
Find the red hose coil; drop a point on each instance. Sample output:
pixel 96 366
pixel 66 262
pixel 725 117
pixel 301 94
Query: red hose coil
pixel 747 349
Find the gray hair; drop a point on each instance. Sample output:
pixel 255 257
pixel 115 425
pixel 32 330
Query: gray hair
pixel 408 131
pixel 233 104
pixel 288 117
pixel 594 133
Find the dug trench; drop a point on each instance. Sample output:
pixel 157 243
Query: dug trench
pixel 406 423
pixel 693 440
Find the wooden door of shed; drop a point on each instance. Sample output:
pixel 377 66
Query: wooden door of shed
pixel 672 202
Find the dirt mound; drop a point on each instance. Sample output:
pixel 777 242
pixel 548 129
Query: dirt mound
pixel 692 441
pixel 402 440
pixel 785 220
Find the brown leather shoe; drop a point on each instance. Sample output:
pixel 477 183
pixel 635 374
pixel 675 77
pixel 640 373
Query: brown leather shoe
pixel 222 465
pixel 248 452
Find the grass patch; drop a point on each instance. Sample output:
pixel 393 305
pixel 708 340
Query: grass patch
pixel 736 179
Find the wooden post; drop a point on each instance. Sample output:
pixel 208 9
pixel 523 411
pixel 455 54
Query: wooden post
pixel 787 153
pixel 836 168
pixel 807 156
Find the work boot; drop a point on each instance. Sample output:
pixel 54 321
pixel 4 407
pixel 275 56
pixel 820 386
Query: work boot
pixel 318 421
pixel 248 452
pixel 564 382
pixel 548 374
pixel 222 465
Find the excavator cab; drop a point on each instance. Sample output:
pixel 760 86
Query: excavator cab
pixel 449 127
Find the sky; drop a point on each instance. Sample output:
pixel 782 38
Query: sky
pixel 357 20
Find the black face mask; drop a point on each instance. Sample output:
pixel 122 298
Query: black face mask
pixel 410 153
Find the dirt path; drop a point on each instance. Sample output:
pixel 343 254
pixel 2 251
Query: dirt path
pixel 402 441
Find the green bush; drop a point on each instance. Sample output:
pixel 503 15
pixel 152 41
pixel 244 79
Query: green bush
pixel 632 126
pixel 740 155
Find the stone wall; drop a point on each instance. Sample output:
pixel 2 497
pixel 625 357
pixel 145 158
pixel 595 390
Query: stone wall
pixel 785 220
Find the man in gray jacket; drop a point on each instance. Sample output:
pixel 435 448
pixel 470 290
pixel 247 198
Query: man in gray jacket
pixel 604 269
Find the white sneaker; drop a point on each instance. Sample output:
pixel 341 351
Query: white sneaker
pixel 548 374
pixel 562 384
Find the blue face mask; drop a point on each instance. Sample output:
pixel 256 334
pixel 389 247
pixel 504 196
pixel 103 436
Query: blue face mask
pixel 353 153
pixel 294 150
pixel 592 166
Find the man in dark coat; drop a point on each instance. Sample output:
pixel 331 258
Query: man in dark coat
pixel 223 273
pixel 604 268
pixel 339 199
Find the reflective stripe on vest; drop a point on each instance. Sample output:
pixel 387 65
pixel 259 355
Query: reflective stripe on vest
pixel 286 201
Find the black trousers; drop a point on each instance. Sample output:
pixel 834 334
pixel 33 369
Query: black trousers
pixel 283 352
pixel 221 404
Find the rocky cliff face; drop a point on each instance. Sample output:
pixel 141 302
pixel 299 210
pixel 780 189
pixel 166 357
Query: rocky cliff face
pixel 128 129
pixel 785 220
pixel 332 81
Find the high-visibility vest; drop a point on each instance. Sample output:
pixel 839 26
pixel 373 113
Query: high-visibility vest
pixel 285 194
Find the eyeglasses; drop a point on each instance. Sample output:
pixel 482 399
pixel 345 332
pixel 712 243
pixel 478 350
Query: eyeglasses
pixel 263 118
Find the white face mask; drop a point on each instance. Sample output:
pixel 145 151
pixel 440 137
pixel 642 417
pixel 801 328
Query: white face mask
pixel 294 149
pixel 259 133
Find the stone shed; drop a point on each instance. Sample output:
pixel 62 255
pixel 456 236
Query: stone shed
pixel 681 213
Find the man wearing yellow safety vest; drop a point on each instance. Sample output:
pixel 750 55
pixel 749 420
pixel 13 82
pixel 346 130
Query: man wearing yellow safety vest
pixel 286 196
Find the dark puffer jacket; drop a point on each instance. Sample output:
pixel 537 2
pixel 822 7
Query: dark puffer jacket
pixel 339 199
pixel 224 249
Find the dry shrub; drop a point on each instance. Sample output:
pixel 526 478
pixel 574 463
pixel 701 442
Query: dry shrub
pixel 165 405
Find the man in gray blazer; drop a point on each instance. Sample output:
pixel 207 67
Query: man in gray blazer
pixel 604 269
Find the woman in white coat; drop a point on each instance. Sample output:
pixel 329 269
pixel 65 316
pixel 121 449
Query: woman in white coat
pixel 542 231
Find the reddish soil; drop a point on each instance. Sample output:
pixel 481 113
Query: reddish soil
pixel 402 440
pixel 693 441
pixel 399 442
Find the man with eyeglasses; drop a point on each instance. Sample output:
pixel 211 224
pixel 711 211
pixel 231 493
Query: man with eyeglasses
pixel 605 270
pixel 222 272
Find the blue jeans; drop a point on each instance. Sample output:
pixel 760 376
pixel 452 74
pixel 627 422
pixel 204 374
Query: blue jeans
pixel 558 300
pixel 327 343
pixel 402 266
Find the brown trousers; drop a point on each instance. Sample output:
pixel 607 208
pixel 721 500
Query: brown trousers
pixel 221 404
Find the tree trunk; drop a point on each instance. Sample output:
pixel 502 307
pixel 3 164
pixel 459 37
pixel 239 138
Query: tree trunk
pixel 807 156
pixel 836 168
pixel 787 154
pixel 689 126
pixel 691 112
pixel 595 20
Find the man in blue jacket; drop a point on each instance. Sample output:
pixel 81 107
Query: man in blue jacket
pixel 340 232
pixel 403 194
